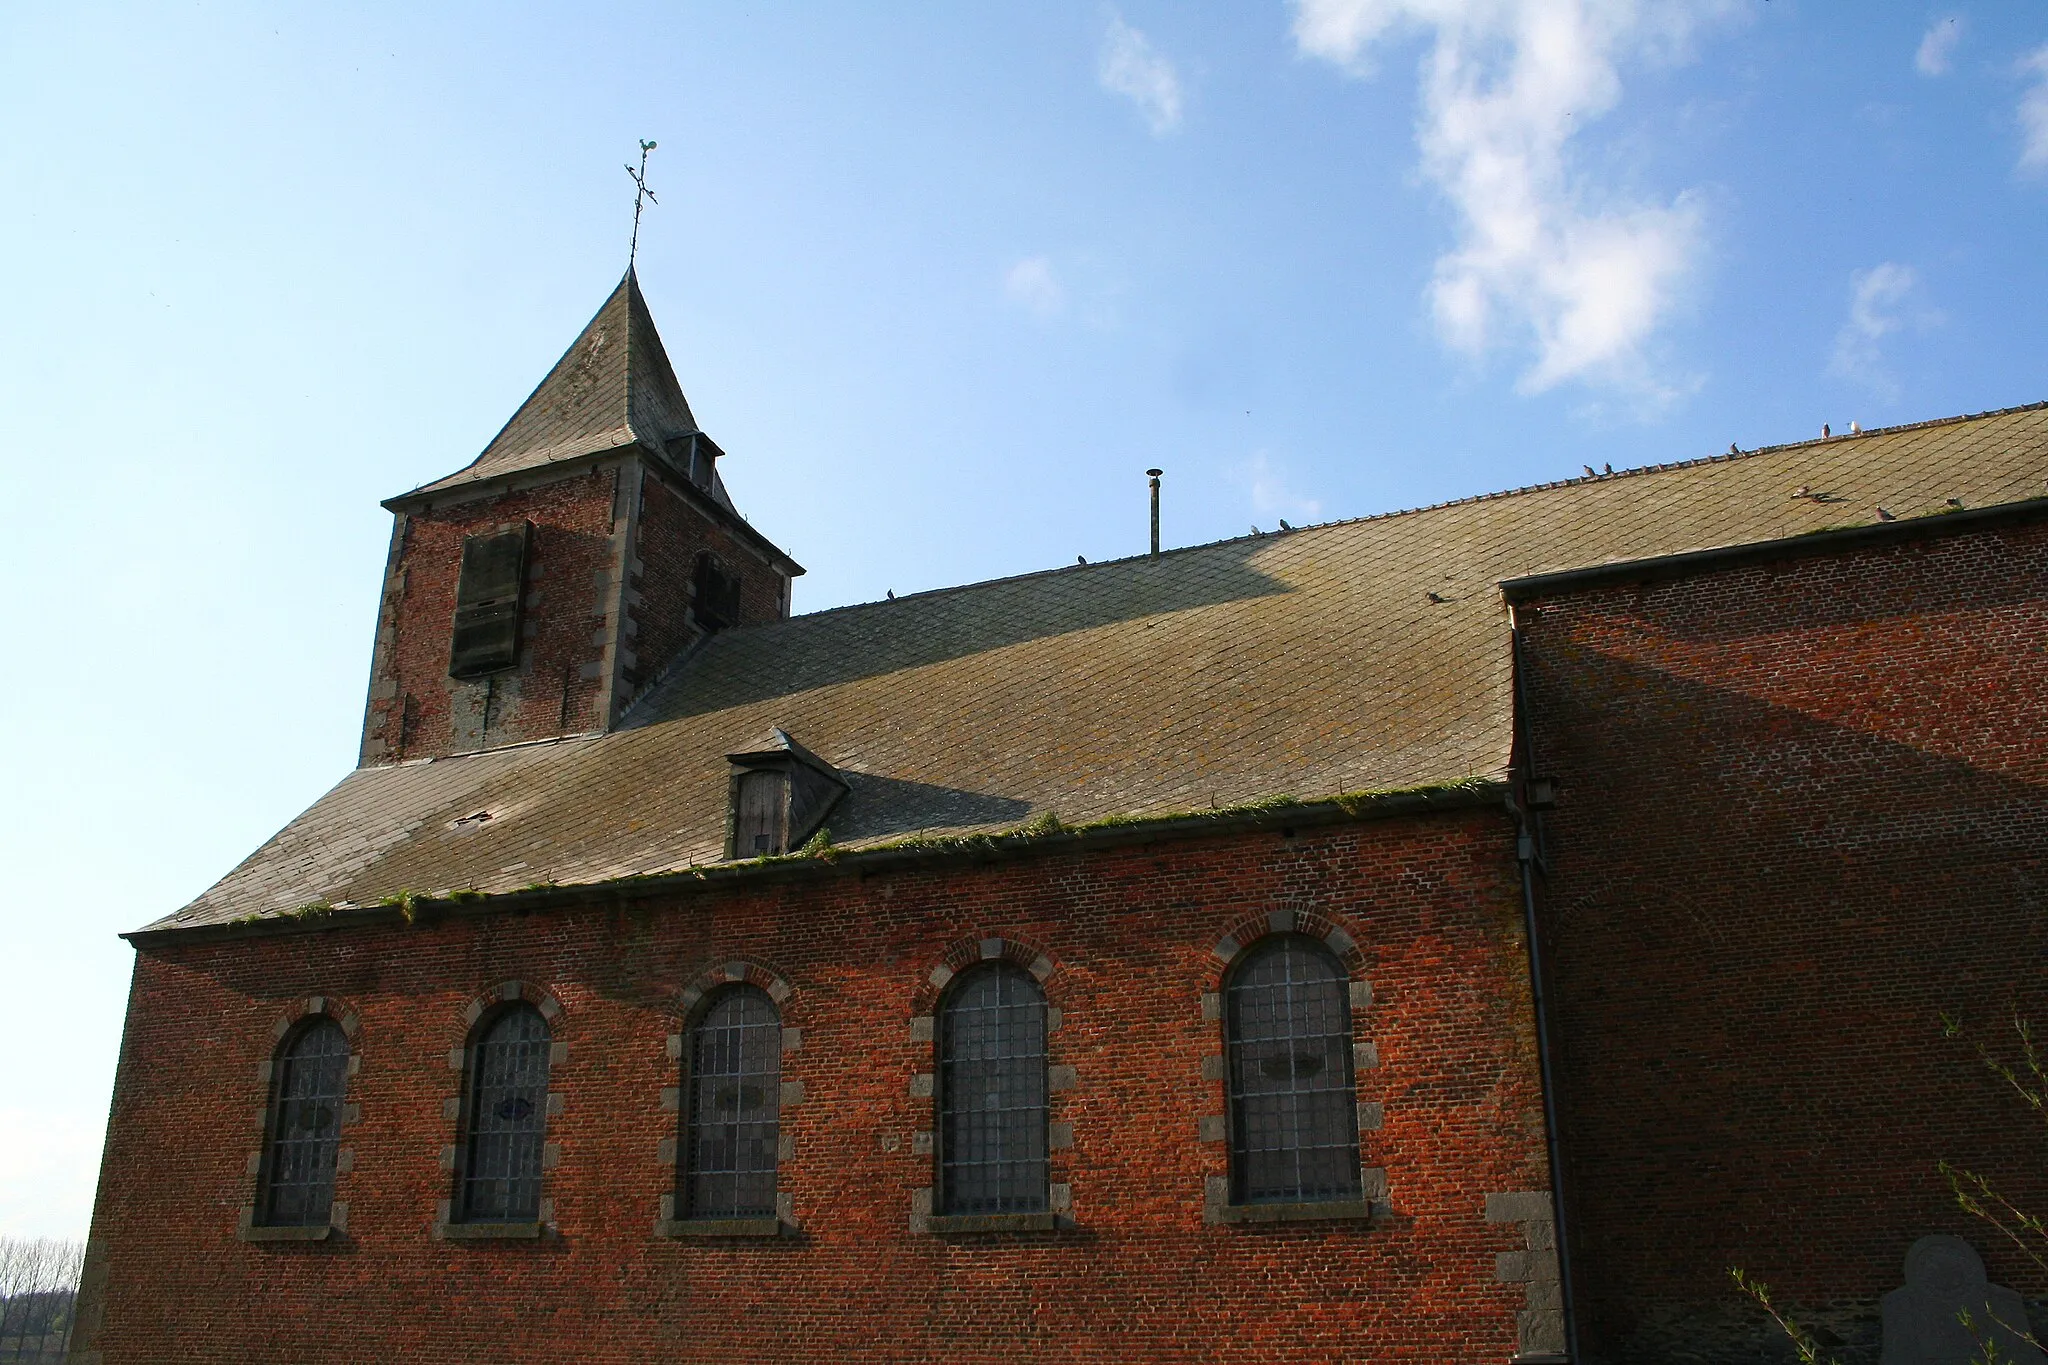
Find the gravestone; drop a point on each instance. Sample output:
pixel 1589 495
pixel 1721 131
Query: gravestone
pixel 1923 1318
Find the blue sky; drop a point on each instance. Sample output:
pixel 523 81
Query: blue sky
pixel 942 280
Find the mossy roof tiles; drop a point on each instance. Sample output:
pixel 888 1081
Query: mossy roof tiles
pixel 1307 664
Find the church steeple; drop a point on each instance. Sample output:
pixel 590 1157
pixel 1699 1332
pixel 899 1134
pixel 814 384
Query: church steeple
pixel 613 387
pixel 490 633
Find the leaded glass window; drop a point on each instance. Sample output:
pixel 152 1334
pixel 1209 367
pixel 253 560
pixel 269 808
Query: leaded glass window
pixel 1293 1102
pixel 992 1137
pixel 508 1106
pixel 734 1083
pixel 307 1081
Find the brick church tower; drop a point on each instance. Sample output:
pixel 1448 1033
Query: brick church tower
pixel 542 589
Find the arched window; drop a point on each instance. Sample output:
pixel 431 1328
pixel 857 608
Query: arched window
pixel 507 1112
pixel 307 1080
pixel 992 1139
pixel 1293 1103
pixel 733 1078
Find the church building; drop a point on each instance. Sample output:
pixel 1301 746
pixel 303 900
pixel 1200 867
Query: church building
pixel 1455 935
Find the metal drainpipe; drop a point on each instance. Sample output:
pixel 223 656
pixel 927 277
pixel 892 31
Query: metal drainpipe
pixel 1525 850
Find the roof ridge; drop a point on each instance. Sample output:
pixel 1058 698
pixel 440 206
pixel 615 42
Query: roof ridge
pixel 1468 500
pixel 631 284
pixel 1729 456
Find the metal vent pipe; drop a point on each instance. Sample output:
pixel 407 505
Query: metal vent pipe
pixel 1154 474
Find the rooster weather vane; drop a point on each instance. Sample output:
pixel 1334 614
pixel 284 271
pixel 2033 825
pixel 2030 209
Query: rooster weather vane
pixel 641 192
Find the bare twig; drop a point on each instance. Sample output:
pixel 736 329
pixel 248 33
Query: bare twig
pixel 1802 1340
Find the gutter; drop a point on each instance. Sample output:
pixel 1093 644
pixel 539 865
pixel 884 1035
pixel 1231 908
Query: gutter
pixel 907 854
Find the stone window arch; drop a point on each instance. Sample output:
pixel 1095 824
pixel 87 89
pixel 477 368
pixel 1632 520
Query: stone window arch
pixel 751 1003
pixel 731 1107
pixel 993 1099
pixel 1289 1004
pixel 505 1115
pixel 300 1164
pixel 302 1140
pixel 1293 1100
pixel 952 985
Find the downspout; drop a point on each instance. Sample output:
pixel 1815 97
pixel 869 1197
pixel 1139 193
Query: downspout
pixel 1525 854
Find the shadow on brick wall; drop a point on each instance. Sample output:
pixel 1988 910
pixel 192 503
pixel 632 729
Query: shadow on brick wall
pixel 1756 918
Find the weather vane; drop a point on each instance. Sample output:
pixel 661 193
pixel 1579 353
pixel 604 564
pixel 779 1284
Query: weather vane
pixel 642 192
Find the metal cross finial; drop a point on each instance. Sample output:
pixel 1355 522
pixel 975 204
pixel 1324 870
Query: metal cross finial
pixel 640 193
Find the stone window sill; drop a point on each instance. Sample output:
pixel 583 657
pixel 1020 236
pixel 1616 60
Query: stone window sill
pixel 723 1227
pixel 1326 1211
pixel 950 1224
pixel 488 1232
pixel 315 1232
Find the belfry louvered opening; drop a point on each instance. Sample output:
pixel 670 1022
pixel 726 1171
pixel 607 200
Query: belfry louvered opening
pixel 715 593
pixel 487 601
pixel 1293 1097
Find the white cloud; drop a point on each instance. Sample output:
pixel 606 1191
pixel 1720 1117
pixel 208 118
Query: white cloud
pixel 1879 300
pixel 1032 284
pixel 1271 496
pixel 1542 259
pixel 1129 66
pixel 1938 46
pixel 2034 113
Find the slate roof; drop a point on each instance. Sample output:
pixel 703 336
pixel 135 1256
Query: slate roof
pixel 613 387
pixel 1366 654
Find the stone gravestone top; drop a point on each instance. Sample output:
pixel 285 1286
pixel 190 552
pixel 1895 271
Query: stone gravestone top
pixel 1923 1319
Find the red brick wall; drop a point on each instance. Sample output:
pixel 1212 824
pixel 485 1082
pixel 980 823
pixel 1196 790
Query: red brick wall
pixel 672 533
pixel 1432 902
pixel 416 709
pixel 558 687
pixel 1804 811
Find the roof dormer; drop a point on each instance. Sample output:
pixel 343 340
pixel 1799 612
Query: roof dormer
pixel 780 794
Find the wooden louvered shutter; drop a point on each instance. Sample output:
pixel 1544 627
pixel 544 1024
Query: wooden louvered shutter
pixel 487 603
pixel 760 813
pixel 718 594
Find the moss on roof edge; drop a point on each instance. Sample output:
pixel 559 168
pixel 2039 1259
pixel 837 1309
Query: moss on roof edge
pixel 1042 834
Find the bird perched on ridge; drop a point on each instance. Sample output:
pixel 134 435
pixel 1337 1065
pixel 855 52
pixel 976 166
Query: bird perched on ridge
pixel 1284 526
pixel 1589 471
